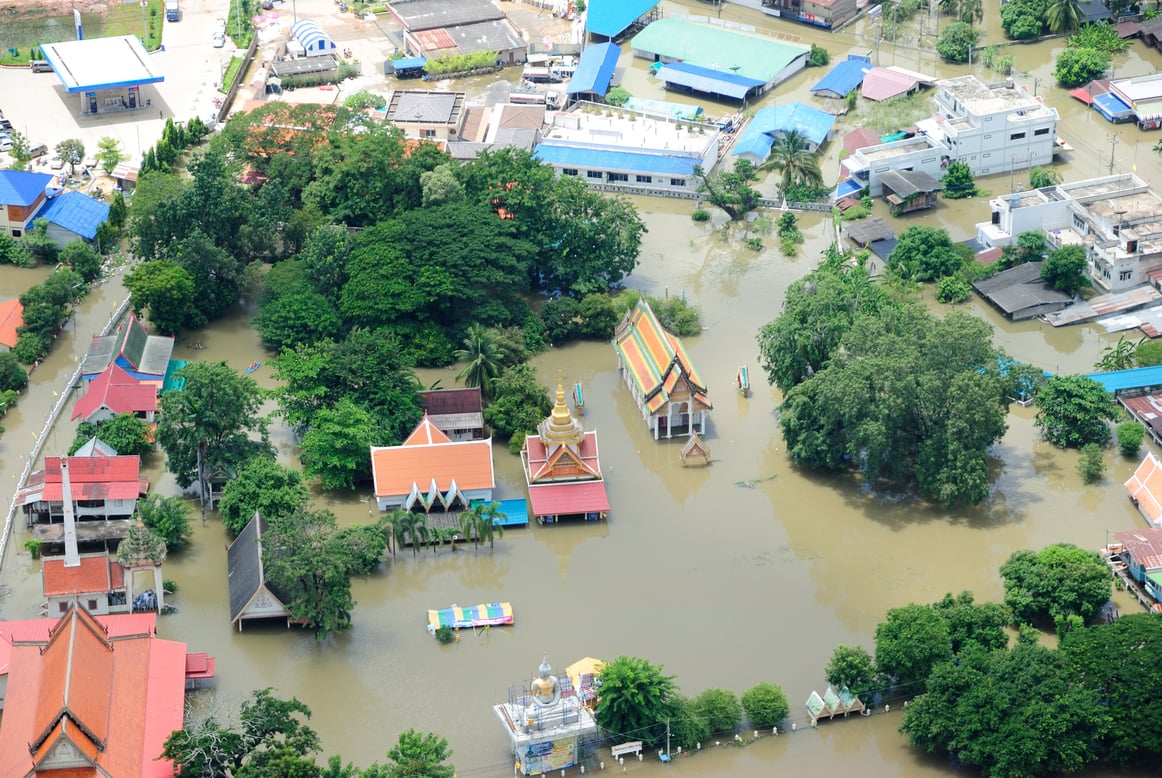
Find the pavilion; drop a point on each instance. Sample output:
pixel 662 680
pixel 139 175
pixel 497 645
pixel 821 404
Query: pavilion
pixel 431 471
pixel 562 469
pixel 108 73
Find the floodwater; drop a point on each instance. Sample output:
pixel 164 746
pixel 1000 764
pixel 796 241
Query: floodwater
pixel 744 571
pixel 25 32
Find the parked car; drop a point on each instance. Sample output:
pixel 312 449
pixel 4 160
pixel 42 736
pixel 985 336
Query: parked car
pixel 39 150
pixel 219 40
pixel 56 163
pixel 5 142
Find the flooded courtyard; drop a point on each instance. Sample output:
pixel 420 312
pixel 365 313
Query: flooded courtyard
pixel 744 571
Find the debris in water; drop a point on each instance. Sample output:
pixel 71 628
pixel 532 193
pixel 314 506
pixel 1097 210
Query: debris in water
pixel 751 483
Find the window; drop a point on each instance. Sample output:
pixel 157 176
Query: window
pixel 16 233
pixel 1042 131
pixel 645 179
pixel 63 607
pixel 986 155
pixel 987 137
pixel 677 182
pixel 568 171
pixel 428 133
pixel 1017 136
pixel 594 173
pixel 1079 223
pixel 619 176
pixel 92 605
pixel 1125 275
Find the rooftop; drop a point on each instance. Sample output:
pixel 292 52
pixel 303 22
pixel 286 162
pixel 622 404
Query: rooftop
pixel 1144 545
pixel 245 575
pixel 595 70
pixel 119 392
pixel 429 14
pixel 844 77
pixel 97 574
pixel 493 35
pixel 1020 288
pixel 718 49
pixel 76 212
pixel 428 457
pixel 586 124
pixel 655 359
pixel 980 98
pixel 11 317
pixel 906 183
pixel 19 187
pixel 611 17
pixel 424 107
pixel 708 80
pixel 102 63
pixel 1145 488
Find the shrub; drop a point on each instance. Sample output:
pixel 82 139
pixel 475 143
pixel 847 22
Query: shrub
pixel 365 99
pixel 701 215
pixel 720 709
pixel 687 726
pixel 1130 435
pixel 1076 67
pixel 169 587
pixel 765 705
pixel 953 289
pixel 819 56
pixel 754 244
pixel 32 546
pixel 444 634
pixel 1091 466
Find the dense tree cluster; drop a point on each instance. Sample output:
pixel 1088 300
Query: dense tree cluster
pixel 1055 583
pixel 1073 410
pixel 46 307
pixel 125 433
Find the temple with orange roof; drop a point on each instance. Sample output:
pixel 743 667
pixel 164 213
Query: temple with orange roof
pixel 562 468
pixel 669 393
pixel 429 471
pixel 91 698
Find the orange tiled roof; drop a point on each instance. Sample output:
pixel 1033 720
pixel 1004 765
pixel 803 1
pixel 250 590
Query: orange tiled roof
pixel 1145 488
pixel 1144 546
pixel 97 573
pixel 655 359
pixel 11 317
pixel 429 455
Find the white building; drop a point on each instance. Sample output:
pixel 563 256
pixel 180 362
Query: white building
pixel 865 165
pixel 993 128
pixel 628 149
pixel 1118 219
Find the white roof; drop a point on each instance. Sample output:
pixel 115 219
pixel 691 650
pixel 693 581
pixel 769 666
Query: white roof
pixel 102 63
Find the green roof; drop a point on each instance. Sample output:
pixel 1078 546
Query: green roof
pixel 716 48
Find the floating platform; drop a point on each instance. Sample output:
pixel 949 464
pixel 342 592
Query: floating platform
pixel 485 615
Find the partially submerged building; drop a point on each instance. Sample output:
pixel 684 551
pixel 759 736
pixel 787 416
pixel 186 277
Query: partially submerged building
pixel 909 190
pixel 429 471
pixel 252 596
pixel 102 489
pixel 143 356
pixel 668 391
pixel 617 19
pixel 458 413
pixel 628 149
pixel 1141 550
pixel 427 115
pixel 594 73
pixel 114 392
pixel 434 29
pixel 828 14
pixel 1145 489
pixel 1021 293
pixel 845 77
pixel 769 124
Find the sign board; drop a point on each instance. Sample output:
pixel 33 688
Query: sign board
pixel 77 21
pixel 879 9
pixel 634 747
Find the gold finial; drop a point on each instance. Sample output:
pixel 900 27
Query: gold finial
pixel 561 415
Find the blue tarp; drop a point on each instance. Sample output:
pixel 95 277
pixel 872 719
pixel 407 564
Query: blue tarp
pixel 843 78
pixel 76 212
pixel 19 187
pixel 1111 106
pixel 611 17
pixel 408 63
pixel 812 124
pixel 707 80
pixel 595 70
pixel 608 159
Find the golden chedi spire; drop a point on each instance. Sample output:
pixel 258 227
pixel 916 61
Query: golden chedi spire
pixel 561 427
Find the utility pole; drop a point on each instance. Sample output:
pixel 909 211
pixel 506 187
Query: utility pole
pixel 1113 145
pixel 668 721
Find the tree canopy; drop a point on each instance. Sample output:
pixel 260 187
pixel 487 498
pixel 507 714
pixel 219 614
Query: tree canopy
pixel 1074 410
pixel 635 699
pixel 924 254
pixel 265 486
pixel 910 641
pixel 1055 582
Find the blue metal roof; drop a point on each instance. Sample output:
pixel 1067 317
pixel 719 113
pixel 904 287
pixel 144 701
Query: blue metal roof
pixel 1138 378
pixel 18 187
pixel 844 77
pixel 76 212
pixel 847 187
pixel 610 159
pixel 673 110
pixel 408 62
pixel 707 80
pixel 1112 107
pixel 812 124
pixel 595 70
pixel 610 17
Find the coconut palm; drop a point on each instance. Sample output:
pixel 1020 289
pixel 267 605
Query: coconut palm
pixel 392 526
pixel 415 527
pixel 488 528
pixel 483 354
pixel 969 10
pixel 790 157
pixel 1064 16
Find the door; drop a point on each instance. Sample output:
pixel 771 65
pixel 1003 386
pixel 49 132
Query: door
pixel 92 101
pixel 132 97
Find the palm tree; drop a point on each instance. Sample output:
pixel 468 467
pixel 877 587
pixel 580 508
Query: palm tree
pixel 789 156
pixel 482 353
pixel 969 11
pixel 486 526
pixel 392 526
pixel 1064 16
pixel 415 527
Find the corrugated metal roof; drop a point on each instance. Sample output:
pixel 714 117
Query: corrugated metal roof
pixel 881 83
pixel 719 49
pixel 76 212
pixel 568 499
pixel 609 159
pixel 18 187
pixel 844 77
pixel 811 123
pixel 595 70
pixel 711 82
pixel 611 17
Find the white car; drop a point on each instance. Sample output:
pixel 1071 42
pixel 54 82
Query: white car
pixel 56 163
pixel 219 39
pixel 5 143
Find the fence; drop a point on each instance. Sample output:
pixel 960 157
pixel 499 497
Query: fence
pixel 53 416
pixel 247 60
pixel 678 194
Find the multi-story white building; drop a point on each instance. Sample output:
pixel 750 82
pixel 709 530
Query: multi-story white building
pixel 1118 219
pixel 993 128
pixel 864 166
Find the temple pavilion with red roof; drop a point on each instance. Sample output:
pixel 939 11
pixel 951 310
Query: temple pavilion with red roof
pixel 562 469
pixel 429 471
pixel 669 393
pixel 91 698
pixel 114 392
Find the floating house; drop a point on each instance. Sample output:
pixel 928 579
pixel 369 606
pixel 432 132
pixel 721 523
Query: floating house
pixel 547 723
pixel 654 364
pixel 492 614
pixel 252 597
pixel 1142 553
pixel 1145 489
pixel 562 469
pixel 114 392
pixel 429 471
pixel 722 58
pixel 91 696
pixel 11 319
pixel 143 356
pixel 769 124
pixel 458 413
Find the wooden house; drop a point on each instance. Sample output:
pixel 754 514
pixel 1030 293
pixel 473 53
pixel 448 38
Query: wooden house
pixel 105 490
pixel 1142 553
pixel 909 190
pixel 562 468
pixel 98 583
pixel 667 389
pixel 251 595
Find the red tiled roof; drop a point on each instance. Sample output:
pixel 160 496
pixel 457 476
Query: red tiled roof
pixel 540 462
pixel 97 573
pixel 860 138
pixel 124 691
pixel 428 455
pixel 1144 546
pixel 568 498
pixel 118 391
pixel 11 317
pixel 989 256
pixel 92 478
pixel 1145 488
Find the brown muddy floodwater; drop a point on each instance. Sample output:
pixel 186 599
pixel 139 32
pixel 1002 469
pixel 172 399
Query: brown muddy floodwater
pixel 744 571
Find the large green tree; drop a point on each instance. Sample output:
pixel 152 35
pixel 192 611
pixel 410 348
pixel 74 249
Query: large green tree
pixel 214 422
pixel 292 311
pixel 1073 410
pixel 126 433
pixel 418 755
pixel 957 40
pixel 1055 582
pixel 852 667
pixel 731 190
pixel 791 159
pixel 481 358
pixel 335 445
pixel 12 376
pixel 169 518
pixel 1064 270
pixel 635 700
pixel 1064 16
pixel 720 708
pixel 518 404
pixel 163 289
pixel 924 254
pixel 765 705
pixel 910 641
pixel 970 623
pixel 1077 67
pixel 263 485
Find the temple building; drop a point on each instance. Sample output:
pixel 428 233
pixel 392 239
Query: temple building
pixel 562 469
pixel 668 391
pixel 429 471
pixel 546 722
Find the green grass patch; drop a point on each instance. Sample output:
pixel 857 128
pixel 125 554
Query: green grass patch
pixel 132 19
pixel 231 72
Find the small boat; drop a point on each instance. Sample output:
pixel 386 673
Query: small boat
pixel 579 398
pixel 490 614
pixel 743 381
pixel 253 366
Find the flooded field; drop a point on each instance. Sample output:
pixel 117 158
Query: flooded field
pixel 747 570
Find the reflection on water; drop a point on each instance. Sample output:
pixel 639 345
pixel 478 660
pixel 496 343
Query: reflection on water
pixel 744 571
